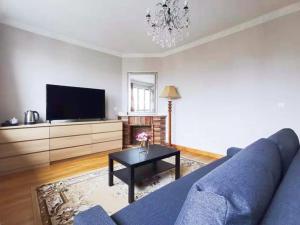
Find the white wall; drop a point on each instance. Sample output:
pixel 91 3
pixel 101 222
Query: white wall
pixel 237 89
pixel 29 61
pixel 234 90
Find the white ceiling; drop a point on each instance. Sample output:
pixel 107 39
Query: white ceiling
pixel 118 27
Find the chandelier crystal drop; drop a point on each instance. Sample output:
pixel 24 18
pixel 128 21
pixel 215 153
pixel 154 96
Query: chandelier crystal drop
pixel 170 22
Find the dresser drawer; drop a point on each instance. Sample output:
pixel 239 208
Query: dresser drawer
pixel 106 127
pixel 66 142
pixel 109 136
pixel 26 134
pixel 22 148
pixel 65 131
pixel 106 146
pixel 70 152
pixel 23 162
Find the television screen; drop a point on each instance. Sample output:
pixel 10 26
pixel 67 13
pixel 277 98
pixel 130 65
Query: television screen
pixel 65 103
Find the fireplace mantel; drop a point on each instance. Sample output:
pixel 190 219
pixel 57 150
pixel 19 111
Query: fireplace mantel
pixel 141 115
pixel 155 125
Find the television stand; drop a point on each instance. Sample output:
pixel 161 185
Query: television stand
pixel 29 146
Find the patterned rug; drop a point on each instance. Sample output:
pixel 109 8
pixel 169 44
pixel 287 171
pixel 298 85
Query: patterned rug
pixel 58 202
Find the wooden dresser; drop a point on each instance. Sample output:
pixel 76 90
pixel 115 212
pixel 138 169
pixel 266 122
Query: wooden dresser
pixel 29 146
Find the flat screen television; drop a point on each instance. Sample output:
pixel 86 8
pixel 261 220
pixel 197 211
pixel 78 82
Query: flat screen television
pixel 66 103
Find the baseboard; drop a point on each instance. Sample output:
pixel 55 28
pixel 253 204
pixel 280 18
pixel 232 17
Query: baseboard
pixel 198 151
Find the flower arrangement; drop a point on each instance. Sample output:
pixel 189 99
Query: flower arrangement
pixel 144 138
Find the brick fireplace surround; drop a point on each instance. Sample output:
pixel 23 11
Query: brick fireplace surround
pixel 153 125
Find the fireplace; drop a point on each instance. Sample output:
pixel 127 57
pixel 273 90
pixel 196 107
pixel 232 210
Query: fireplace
pixel 155 126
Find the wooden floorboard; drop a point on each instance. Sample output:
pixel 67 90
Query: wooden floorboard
pixel 16 205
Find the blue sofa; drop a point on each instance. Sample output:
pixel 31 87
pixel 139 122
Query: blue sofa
pixel 258 185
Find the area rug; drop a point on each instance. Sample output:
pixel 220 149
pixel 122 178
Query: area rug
pixel 58 202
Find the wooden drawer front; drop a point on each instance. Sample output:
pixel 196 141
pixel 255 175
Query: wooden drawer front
pixel 66 142
pixel 106 127
pixel 110 136
pixel 70 152
pixel 23 162
pixel 105 146
pixel 21 148
pixel 64 131
pixel 26 134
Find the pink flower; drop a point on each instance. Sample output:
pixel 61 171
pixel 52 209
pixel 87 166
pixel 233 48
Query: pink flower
pixel 143 137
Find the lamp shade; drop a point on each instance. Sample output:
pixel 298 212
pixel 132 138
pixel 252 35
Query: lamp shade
pixel 170 92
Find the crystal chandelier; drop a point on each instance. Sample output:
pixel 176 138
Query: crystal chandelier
pixel 170 22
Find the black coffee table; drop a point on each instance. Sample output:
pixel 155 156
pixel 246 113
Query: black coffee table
pixel 140 165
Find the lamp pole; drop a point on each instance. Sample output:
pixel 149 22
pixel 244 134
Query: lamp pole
pixel 169 122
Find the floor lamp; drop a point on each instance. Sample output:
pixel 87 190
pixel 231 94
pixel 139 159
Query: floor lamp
pixel 171 93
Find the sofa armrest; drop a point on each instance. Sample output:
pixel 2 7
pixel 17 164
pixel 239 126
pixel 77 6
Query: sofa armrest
pixel 93 216
pixel 232 151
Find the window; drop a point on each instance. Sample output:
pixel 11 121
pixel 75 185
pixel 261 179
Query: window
pixel 142 92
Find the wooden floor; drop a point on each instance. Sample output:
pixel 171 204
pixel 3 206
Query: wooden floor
pixel 16 207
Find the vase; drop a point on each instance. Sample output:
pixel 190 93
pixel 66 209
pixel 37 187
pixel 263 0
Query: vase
pixel 144 144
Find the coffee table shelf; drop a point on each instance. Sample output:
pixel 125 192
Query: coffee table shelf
pixel 142 172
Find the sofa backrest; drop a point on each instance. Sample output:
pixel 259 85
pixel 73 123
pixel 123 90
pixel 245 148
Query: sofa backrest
pixel 288 145
pixel 284 208
pixel 233 151
pixel 237 192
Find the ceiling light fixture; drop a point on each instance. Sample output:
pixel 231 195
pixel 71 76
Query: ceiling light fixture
pixel 170 22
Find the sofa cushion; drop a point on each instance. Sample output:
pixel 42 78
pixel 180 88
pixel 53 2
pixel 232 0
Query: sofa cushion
pixel 284 208
pixel 288 144
pixel 93 216
pixel 238 192
pixel 232 151
pixel 162 206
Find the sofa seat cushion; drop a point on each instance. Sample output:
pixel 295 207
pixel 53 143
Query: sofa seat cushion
pixel 162 206
pixel 285 206
pixel 288 144
pixel 93 216
pixel 238 192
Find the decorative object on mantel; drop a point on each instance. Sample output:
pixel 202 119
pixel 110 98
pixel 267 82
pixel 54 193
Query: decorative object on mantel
pixel 169 23
pixel 144 139
pixel 142 92
pixel 171 93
